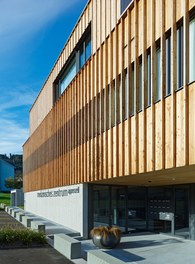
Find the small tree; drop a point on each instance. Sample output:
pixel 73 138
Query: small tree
pixel 12 183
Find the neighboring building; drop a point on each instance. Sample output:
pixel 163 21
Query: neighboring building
pixel 112 131
pixel 6 171
pixel 17 160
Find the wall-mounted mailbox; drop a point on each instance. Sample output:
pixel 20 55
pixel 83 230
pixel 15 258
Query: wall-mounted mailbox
pixel 166 216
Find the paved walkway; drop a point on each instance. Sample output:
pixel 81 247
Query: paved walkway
pixel 6 220
pixel 40 255
pixel 149 248
pixel 145 248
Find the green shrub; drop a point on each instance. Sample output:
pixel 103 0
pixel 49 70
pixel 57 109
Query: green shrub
pixel 25 236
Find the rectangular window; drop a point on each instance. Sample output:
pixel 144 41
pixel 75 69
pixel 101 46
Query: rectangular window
pixel 84 51
pixel 113 108
pixel 192 50
pixel 98 114
pixel 179 56
pixel 124 4
pixel 132 90
pixel 168 65
pixel 68 75
pixel 140 86
pixel 88 47
pixel 109 106
pixel 121 97
pixel 90 118
pixel 126 110
pixel 118 100
pixel 158 73
pixel 148 92
pixel 106 107
pixel 102 110
pixel 81 57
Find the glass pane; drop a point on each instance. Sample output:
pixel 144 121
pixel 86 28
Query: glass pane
pixel 101 205
pixel 140 87
pixel 179 57
pixel 118 101
pixel 87 49
pixel 168 66
pixel 181 213
pixel 158 75
pixel 148 103
pixel 109 106
pixel 136 209
pixel 119 207
pixel 69 75
pixel 113 108
pixel 126 95
pixel 192 51
pixel 132 90
pixel 160 200
pixel 124 4
pixel 81 58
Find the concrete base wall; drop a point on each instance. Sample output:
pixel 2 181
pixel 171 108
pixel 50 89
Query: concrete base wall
pixel 66 205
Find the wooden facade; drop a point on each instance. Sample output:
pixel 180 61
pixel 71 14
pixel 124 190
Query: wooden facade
pixel 86 135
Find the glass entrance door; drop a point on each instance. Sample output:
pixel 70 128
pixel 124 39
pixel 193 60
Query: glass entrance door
pixel 181 212
pixel 118 210
pixel 101 205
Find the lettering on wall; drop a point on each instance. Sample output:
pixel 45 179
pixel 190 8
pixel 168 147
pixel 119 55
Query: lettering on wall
pixel 58 193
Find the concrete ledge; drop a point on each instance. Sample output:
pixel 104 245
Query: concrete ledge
pixel 9 210
pixel 67 246
pixel 101 257
pixel 38 226
pixel 27 219
pixel 14 211
pixel 19 216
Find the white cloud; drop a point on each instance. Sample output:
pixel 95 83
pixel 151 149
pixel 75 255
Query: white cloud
pixel 20 96
pixel 21 18
pixel 12 136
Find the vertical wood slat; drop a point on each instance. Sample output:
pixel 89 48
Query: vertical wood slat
pixel 153 82
pixel 120 136
pixel 136 85
pixel 186 79
pixel 62 113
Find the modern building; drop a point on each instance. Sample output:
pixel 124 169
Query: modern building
pixel 6 171
pixel 112 131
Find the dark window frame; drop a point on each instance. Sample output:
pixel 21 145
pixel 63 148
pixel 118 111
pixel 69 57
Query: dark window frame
pixel 86 38
pixel 148 94
pixel 168 63
pixel 180 55
pixel 157 91
pixel 140 86
pixel 132 90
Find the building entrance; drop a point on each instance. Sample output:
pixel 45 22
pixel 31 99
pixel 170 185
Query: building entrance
pixel 122 206
pixel 158 209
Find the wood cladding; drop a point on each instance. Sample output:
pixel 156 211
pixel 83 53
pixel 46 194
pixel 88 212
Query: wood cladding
pixel 85 136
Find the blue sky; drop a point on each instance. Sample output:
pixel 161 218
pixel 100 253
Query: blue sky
pixel 32 34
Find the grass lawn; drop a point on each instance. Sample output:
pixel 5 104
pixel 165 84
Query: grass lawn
pixel 5 198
